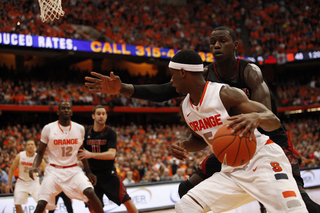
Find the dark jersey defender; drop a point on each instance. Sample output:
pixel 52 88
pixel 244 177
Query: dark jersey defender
pixel 108 182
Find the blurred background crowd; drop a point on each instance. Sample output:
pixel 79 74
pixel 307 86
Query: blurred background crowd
pixel 263 27
pixel 36 87
pixel 143 152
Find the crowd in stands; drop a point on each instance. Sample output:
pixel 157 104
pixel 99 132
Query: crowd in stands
pixel 295 92
pixel 283 26
pixel 263 27
pixel 46 90
pixel 304 135
pixel 143 152
pixel 52 93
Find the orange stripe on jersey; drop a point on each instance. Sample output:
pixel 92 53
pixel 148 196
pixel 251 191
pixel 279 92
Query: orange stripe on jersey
pixel 62 129
pixel 204 92
pixel 269 142
pixel 191 104
pixel 289 194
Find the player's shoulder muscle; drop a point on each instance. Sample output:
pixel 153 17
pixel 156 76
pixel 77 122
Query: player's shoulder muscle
pixel 253 76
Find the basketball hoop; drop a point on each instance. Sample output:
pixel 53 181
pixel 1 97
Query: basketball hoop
pixel 50 9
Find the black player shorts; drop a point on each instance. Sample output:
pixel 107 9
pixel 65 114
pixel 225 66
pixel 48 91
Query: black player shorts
pixel 112 187
pixel 295 166
pixel 208 167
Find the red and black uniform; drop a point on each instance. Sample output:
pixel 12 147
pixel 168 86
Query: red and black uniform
pixel 108 182
pixel 279 136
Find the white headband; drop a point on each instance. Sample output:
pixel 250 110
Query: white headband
pixel 186 67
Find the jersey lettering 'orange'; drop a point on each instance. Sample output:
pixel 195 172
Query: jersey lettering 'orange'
pixel 26 163
pixel 65 141
pixel 206 123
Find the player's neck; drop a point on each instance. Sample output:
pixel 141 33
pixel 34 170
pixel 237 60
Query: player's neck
pixel 98 127
pixel 227 69
pixel 63 122
pixel 197 93
pixel 30 154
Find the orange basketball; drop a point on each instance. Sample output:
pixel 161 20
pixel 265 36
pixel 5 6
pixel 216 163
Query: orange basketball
pixel 231 149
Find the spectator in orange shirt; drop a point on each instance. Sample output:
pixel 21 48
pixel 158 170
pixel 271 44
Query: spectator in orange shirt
pixel 19 98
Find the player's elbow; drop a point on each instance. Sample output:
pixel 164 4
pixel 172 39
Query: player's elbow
pixel 112 153
pixel 277 123
pixel 272 124
pixel 113 156
pixel 269 122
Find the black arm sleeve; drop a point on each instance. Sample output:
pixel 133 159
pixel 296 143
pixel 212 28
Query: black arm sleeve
pixel 155 92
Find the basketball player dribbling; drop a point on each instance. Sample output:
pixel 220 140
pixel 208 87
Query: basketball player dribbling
pixel 269 171
pixel 227 68
pixel 62 139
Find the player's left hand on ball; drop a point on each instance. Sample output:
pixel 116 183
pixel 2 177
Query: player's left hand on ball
pixel 84 154
pixel 245 122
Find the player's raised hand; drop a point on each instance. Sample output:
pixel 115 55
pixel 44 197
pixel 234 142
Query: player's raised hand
pixel 178 151
pixel 105 84
pixel 84 154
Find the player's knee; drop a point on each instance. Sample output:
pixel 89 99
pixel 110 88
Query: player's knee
pixel 187 204
pixel 89 193
pixel 184 187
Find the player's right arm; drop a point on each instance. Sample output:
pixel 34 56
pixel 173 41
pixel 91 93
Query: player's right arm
pixel 110 154
pixel 245 113
pixel 107 155
pixel 11 171
pixel 38 160
pixel 43 166
pixel 112 85
pixel 194 143
pixel 158 92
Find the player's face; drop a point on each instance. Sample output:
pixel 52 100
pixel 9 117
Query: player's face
pixel 176 80
pixel 100 116
pixel 65 111
pixel 221 45
pixel 30 146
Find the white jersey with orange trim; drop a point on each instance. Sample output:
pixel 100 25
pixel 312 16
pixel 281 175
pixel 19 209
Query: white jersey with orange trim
pixel 25 165
pixel 62 142
pixel 267 173
pixel 210 114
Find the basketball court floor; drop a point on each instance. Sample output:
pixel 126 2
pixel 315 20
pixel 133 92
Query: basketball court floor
pixel 253 207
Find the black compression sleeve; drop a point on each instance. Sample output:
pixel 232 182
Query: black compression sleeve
pixel 155 92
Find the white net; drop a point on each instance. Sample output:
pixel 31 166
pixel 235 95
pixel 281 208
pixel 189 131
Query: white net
pixel 50 9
